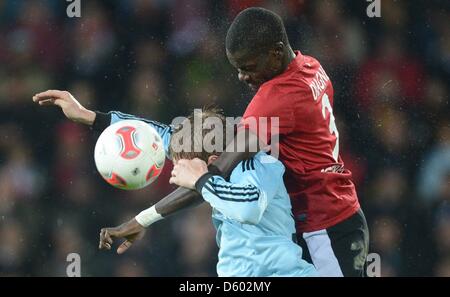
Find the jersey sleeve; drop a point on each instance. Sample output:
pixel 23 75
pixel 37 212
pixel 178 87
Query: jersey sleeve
pixel 165 131
pixel 251 188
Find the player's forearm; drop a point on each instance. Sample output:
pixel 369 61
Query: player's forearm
pixel 181 198
pixel 240 201
pixel 101 121
pixel 87 117
pixel 237 152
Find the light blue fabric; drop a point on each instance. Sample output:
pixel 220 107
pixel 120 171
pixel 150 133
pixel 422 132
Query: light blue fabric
pixel 253 217
pixel 165 131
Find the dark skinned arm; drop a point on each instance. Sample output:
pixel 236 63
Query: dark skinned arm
pixel 183 198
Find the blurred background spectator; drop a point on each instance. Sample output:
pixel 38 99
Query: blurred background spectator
pixel 159 59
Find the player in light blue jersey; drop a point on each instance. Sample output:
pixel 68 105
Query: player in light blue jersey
pixel 251 212
pixel 252 216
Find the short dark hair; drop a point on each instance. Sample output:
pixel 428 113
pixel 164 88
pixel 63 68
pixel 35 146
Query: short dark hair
pixel 255 29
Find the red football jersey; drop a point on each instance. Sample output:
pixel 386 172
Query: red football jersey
pixel 321 190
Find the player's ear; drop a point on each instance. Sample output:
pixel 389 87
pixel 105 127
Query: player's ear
pixel 278 50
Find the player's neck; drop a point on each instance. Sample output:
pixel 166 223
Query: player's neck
pixel 289 57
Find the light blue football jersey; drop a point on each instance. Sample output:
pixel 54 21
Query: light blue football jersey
pixel 252 215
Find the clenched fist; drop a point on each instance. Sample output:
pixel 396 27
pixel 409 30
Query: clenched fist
pixel 186 173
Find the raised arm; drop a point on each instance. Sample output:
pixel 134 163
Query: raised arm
pixel 70 106
pixel 179 199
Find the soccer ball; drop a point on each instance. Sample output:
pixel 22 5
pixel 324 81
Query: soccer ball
pixel 129 154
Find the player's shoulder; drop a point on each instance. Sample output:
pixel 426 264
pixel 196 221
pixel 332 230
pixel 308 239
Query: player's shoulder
pixel 261 162
pixel 291 86
pixel 277 97
pixel 280 88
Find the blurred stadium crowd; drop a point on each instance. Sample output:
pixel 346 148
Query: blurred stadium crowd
pixel 159 59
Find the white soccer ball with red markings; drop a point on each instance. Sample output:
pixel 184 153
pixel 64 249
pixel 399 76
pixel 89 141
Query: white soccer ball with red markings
pixel 129 154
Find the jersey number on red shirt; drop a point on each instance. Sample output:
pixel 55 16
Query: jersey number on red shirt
pixel 326 105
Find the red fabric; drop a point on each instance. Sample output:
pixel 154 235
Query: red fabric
pixel 320 187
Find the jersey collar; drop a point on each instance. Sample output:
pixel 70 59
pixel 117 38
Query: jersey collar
pixel 297 63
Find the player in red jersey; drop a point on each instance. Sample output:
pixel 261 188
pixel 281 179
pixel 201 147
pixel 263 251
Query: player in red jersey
pixel 295 90
pixel 302 99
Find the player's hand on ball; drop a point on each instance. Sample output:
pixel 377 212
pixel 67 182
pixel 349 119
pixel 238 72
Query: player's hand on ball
pixel 185 173
pixel 71 108
pixel 130 230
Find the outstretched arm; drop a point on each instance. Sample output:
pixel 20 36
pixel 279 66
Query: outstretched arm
pixel 180 199
pixel 70 106
pixel 99 121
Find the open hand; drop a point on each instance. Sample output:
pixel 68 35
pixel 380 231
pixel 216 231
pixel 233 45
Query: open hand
pixel 71 108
